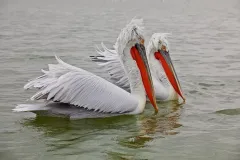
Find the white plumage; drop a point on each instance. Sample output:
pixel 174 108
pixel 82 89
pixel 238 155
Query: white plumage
pixel 68 84
pixel 112 64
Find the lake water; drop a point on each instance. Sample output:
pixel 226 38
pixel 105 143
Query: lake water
pixel 205 48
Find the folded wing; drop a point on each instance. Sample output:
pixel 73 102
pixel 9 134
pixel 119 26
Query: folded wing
pixel 68 84
pixel 110 63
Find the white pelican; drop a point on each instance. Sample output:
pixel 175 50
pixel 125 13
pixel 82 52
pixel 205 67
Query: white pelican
pixel 165 81
pixel 68 84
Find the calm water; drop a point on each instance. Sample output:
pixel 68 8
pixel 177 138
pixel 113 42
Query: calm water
pixel 205 48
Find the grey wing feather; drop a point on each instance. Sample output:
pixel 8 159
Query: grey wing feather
pixel 110 63
pixel 68 84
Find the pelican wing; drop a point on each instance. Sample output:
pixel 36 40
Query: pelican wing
pixel 68 84
pixel 109 61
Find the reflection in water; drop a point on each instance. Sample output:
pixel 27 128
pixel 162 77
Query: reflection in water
pixel 49 125
pixel 58 125
pixel 162 123
pixel 149 127
pixel 61 135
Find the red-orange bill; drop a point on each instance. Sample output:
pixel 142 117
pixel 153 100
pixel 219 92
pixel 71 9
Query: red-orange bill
pixel 139 55
pixel 168 67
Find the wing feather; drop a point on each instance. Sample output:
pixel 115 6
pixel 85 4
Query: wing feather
pixel 68 84
pixel 110 63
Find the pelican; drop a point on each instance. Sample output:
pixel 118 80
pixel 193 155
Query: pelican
pixel 64 83
pixel 165 80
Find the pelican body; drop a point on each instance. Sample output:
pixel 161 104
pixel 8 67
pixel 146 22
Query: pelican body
pixel 165 81
pixel 89 93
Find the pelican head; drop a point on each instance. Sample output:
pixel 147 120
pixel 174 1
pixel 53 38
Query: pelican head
pixel 159 41
pixel 129 36
pixel 130 47
pixel 159 46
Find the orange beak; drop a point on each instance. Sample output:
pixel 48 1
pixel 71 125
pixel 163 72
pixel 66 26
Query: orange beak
pixel 168 67
pixel 139 55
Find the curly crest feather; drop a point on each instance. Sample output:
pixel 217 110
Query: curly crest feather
pixel 127 34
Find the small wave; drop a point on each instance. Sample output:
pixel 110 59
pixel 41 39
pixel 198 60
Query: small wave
pixel 235 111
pixel 209 85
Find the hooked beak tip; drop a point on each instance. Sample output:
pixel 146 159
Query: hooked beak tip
pixel 184 99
